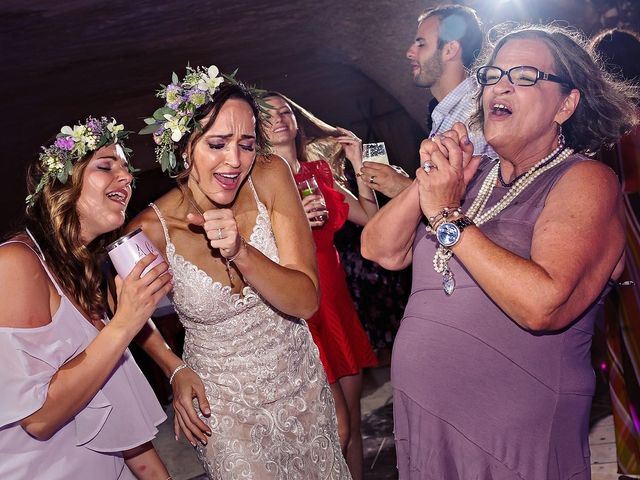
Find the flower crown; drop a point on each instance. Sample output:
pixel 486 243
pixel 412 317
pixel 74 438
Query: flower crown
pixel 177 117
pixel 72 144
pixel 170 123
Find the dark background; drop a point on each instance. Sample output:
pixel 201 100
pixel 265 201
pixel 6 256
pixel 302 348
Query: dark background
pixel 344 60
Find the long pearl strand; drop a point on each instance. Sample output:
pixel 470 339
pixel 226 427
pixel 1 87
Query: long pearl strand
pixel 518 187
pixel 443 255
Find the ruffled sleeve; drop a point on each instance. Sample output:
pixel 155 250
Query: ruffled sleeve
pixel 123 414
pixel 28 359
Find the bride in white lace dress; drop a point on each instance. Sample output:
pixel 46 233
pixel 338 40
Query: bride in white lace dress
pixel 238 243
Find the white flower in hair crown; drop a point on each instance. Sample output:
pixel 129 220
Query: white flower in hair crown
pixel 72 144
pixel 171 122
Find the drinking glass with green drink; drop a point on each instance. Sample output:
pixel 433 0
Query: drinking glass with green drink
pixel 310 187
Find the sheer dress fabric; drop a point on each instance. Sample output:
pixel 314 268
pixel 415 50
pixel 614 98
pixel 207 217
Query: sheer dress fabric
pixel 272 413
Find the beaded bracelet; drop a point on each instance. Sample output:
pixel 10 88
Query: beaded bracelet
pixel 176 370
pixel 228 261
pixel 243 243
pixel 444 214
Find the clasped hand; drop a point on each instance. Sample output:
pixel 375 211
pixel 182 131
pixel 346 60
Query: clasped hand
pixel 221 229
pixel 452 165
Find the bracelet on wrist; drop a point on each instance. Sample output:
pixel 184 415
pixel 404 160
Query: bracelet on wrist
pixel 243 244
pixel 445 214
pixel 176 370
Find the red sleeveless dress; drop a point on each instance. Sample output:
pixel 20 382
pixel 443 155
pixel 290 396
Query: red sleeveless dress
pixel 336 329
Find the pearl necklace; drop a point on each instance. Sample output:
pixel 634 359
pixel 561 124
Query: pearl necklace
pixel 480 216
pixel 549 158
pixel 518 187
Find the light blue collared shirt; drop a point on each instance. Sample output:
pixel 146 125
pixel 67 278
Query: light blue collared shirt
pixel 458 106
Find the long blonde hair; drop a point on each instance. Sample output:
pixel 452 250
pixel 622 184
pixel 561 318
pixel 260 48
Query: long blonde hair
pixel 315 139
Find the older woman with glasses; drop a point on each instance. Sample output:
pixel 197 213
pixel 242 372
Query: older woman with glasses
pixel 511 260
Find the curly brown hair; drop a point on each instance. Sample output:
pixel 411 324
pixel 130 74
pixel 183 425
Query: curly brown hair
pixel 54 222
pixel 603 113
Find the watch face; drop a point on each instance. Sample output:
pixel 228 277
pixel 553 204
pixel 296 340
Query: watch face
pixel 448 234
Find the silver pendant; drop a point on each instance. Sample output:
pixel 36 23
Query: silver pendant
pixel 448 282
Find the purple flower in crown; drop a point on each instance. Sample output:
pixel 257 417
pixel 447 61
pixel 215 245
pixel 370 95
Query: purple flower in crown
pixel 197 97
pixel 95 126
pixel 157 135
pixel 174 96
pixel 64 143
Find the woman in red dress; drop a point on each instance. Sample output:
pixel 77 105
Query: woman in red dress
pixel 336 329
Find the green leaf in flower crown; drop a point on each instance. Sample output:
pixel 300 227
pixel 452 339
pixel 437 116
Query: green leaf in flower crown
pixel 174 78
pixel 172 160
pixel 151 128
pixel 162 111
pixel 63 175
pixel 149 121
pixel 164 160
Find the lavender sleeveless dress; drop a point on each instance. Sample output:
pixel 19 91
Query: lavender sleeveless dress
pixel 475 395
pixel 122 415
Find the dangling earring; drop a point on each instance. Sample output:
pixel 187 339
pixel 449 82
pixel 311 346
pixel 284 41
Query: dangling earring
pixel 561 140
pixel 185 161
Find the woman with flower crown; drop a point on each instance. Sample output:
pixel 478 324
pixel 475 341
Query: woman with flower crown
pixel 236 237
pixel 74 403
pixel 492 376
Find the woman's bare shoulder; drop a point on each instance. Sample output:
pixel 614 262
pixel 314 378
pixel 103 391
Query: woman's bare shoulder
pixel 24 295
pixel 271 173
pixel 149 221
pixel 590 179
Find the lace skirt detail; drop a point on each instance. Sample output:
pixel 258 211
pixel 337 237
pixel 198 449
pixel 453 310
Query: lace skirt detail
pixel 272 413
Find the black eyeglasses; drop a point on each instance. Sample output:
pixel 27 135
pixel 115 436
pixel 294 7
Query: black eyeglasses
pixel 523 76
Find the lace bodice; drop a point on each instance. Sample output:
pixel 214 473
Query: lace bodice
pixel 272 414
pixel 198 298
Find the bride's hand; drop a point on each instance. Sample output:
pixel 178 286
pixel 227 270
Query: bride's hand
pixel 186 386
pixel 221 229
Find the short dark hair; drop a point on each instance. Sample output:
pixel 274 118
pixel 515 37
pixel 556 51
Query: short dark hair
pixel 458 23
pixel 603 112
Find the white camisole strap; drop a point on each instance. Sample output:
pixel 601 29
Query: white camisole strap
pixel 162 222
pixel 260 205
pixel 255 194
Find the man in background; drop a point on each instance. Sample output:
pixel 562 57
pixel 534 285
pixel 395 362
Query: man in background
pixel 447 42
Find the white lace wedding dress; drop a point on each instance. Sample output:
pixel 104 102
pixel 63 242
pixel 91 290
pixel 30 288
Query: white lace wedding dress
pixel 272 413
